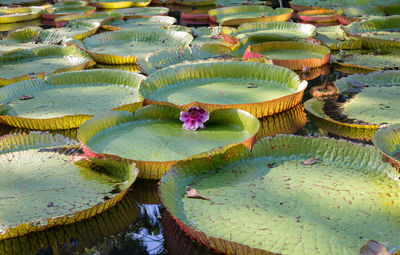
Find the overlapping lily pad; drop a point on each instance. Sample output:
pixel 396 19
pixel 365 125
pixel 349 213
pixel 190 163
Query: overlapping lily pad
pixel 70 3
pixel 95 17
pixel 126 46
pixel 214 35
pixel 318 16
pixel 119 4
pixel 335 38
pixel 67 100
pixel 387 140
pixel 258 88
pixel 154 21
pixel 141 12
pixel 377 32
pixel 293 55
pixel 366 61
pixel 36 163
pixel 55 12
pixel 160 141
pixel 371 102
pixel 195 2
pixel 163 58
pixel 237 15
pixel 275 199
pixel 38 62
pixel 18 14
pixel 78 30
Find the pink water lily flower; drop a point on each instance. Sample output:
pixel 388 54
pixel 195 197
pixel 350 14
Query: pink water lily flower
pixel 194 118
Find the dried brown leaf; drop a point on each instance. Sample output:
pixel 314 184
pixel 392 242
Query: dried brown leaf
pixel 310 161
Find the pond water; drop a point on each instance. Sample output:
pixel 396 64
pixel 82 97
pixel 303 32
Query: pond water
pixel 147 228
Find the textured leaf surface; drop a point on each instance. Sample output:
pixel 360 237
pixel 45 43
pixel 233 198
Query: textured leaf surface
pixel 225 84
pixel 154 21
pixel 387 140
pixel 59 97
pixel 18 14
pixel 78 191
pixel 213 35
pixel 335 38
pixel 143 11
pixel 118 4
pixel 269 202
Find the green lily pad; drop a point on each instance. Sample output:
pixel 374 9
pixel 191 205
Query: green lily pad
pixel 163 58
pixel 365 61
pixel 55 12
pixel 13 26
pixel 70 3
pixel 159 136
pixel 358 11
pixel 223 3
pixel 387 140
pixel 39 62
pixel 276 198
pixel 67 100
pixel 237 15
pixel 276 31
pixel 77 29
pixel 153 21
pixel 28 38
pixel 18 14
pixel 93 17
pixel 377 32
pixel 141 12
pixel 19 2
pixel 126 46
pixel 37 163
pixel 212 35
pixel 258 88
pixel 335 38
pixel 119 4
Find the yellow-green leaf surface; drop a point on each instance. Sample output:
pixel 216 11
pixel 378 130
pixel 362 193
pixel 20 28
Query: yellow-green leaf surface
pixel 163 58
pixel 18 14
pixel 335 38
pixel 41 61
pixel 54 12
pixel 387 140
pixel 48 190
pixel 237 15
pixel 139 12
pixel 70 3
pixel 12 26
pixel 67 100
pixel 377 32
pixel 77 30
pixel 153 21
pixel 365 61
pixel 271 201
pixel 213 35
pixel 261 89
pixel 95 17
pixel 159 137
pixel 126 46
pixel 118 4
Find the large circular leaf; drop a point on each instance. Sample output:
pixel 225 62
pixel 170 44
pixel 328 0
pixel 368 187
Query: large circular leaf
pixel 377 32
pixel 78 30
pixel 335 38
pixel 237 15
pixel 159 139
pixel 55 12
pixel 318 16
pixel 67 100
pixel 293 55
pixel 214 35
pixel 126 46
pixel 18 14
pixel 153 21
pixel 39 62
pixel 119 4
pixel 95 17
pixel 141 12
pixel 43 189
pixel 258 88
pixel 291 195
pixel 163 58
pixel 387 140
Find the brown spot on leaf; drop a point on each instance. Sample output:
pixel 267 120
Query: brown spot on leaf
pixel 310 161
pixel 25 97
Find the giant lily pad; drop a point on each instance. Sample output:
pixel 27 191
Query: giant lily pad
pixel 79 29
pixel 276 199
pixel 372 102
pixel 335 38
pixel 366 61
pixel 95 17
pixel 318 16
pixel 160 141
pixel 163 58
pixel 18 14
pixel 276 31
pixel 214 35
pixel 195 2
pixel 258 88
pixel 67 100
pixel 154 21
pixel 387 140
pixel 39 62
pixel 28 38
pixel 237 15
pixel 126 46
pixel 141 12
pixel 70 3
pixel 19 2
pixel 12 26
pixel 377 32
pixel 37 163
pixel 55 12
pixel 119 4
pixel 293 55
